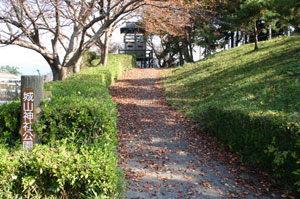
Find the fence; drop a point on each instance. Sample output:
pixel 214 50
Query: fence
pixel 9 90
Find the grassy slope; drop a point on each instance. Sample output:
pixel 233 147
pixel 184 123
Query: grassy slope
pixel 263 82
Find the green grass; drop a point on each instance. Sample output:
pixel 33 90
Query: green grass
pixel 263 82
pixel 249 100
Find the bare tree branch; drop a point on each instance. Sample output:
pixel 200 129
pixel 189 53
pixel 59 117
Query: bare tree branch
pixel 50 26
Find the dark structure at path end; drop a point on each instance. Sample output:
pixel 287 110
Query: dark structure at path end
pixel 135 43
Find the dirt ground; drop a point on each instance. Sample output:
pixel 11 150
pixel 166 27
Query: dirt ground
pixel 164 157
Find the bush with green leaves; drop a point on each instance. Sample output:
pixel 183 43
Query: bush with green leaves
pixel 88 58
pixel 84 117
pixel 77 129
pixel 10 122
pixel 249 100
pixel 62 170
pixel 269 142
pixel 119 63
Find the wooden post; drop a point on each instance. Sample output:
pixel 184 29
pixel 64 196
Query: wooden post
pixel 31 96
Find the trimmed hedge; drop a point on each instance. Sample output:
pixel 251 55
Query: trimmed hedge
pixel 77 131
pixel 110 74
pixel 87 60
pixel 61 171
pixel 271 143
pixel 85 118
pixel 249 100
pixel 10 122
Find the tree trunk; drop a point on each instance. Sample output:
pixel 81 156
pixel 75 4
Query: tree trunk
pixel 157 56
pixel 103 58
pixel 186 54
pixel 255 35
pixel 60 74
pixel 191 52
pixel 231 39
pixel 237 39
pixel 181 60
pixel 104 54
pixel 77 68
pixel 270 32
pixel 248 39
pixel 244 38
pixel 289 31
pixel 228 37
pixel 205 51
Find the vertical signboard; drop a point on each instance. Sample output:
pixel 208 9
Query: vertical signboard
pixel 27 118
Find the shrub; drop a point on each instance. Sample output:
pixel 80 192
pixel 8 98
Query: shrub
pixel 77 131
pixel 119 63
pixel 249 100
pixel 62 171
pixel 87 60
pixel 84 117
pixel 10 123
pixel 269 142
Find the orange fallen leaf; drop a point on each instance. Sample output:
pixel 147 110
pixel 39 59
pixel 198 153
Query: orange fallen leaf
pixel 145 186
pixel 207 185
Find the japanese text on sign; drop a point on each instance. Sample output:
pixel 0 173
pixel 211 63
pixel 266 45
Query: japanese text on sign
pixel 27 118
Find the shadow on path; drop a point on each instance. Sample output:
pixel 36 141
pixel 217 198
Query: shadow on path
pixel 162 155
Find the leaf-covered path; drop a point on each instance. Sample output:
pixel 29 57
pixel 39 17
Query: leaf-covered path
pixel 162 155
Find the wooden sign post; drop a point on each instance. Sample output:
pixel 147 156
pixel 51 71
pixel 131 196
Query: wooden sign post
pixel 27 118
pixel 32 95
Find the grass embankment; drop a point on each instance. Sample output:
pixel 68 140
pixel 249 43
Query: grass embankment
pixel 248 100
pixel 76 157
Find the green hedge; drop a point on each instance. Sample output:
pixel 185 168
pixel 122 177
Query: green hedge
pixel 249 100
pixel 10 122
pixel 110 74
pixel 88 58
pixel 76 157
pixel 61 171
pixel 85 118
pixel 269 142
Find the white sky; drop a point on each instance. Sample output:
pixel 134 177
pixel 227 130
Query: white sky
pixel 30 61
pixel 27 60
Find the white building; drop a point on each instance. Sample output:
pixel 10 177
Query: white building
pixel 8 77
pixel 9 86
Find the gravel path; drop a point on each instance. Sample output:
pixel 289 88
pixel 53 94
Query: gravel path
pixel 162 155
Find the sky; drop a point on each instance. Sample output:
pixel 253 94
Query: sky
pixel 27 60
pixel 30 61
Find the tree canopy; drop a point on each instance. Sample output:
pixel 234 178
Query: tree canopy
pixel 11 69
pixel 63 30
pixel 217 24
pixel 57 29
